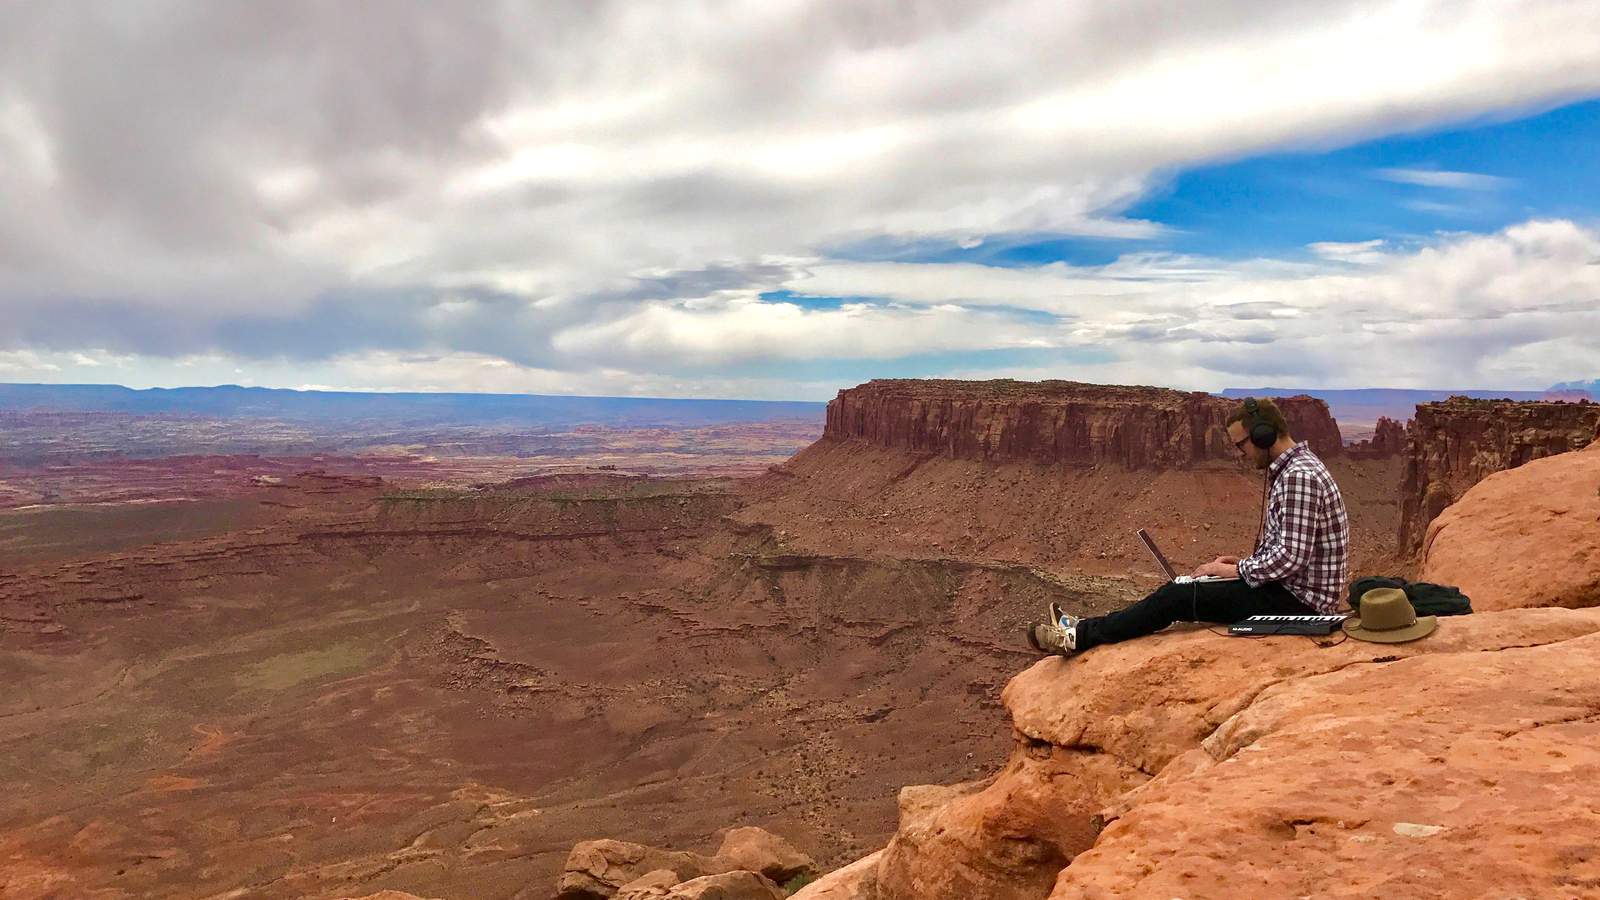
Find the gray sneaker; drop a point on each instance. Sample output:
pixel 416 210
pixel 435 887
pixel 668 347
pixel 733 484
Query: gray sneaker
pixel 1049 637
pixel 1064 619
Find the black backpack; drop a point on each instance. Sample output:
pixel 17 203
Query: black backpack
pixel 1427 599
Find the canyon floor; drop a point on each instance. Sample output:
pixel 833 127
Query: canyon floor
pixel 324 684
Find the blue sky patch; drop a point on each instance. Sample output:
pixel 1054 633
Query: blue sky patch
pixel 1478 177
pixel 808 301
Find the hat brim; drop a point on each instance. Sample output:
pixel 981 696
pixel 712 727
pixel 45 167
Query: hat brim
pixel 1424 626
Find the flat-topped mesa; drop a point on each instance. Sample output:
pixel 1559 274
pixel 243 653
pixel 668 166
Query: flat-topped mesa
pixel 1454 444
pixel 1061 422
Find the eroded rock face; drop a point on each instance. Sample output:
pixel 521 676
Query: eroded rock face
pixel 1455 444
pixel 1060 422
pixel 1526 537
pixel 1376 737
pixel 1388 439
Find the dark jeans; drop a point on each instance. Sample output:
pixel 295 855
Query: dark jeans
pixel 1223 602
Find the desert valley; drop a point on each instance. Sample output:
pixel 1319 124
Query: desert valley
pixel 246 675
pixel 822 450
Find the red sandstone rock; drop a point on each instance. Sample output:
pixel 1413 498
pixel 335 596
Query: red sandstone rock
pixel 759 850
pixel 1309 420
pixel 727 886
pixel 648 886
pixel 857 881
pixel 1182 704
pixel 1525 537
pixel 1442 775
pixel 595 870
pixel 1058 422
pixel 606 868
pixel 1388 439
pixel 1457 443
pixel 1004 842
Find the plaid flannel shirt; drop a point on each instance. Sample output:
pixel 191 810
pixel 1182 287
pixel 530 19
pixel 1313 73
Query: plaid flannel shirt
pixel 1305 538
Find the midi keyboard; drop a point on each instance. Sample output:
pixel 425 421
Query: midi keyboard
pixel 1260 626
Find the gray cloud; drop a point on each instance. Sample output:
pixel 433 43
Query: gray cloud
pixel 527 182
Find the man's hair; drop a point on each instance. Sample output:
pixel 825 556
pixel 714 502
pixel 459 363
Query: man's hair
pixel 1267 413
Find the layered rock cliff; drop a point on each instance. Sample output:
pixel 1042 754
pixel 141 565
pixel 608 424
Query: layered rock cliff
pixel 1453 445
pixel 1059 422
pixel 1388 439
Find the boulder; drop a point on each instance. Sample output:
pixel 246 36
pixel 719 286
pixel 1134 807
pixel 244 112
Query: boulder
pixel 595 870
pixel 739 885
pixel 857 881
pixel 749 856
pixel 1528 536
pixel 648 886
pixel 759 850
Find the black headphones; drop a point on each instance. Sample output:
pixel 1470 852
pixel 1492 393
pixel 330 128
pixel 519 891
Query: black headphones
pixel 1262 434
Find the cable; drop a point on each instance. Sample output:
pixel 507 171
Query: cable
pixel 1261 520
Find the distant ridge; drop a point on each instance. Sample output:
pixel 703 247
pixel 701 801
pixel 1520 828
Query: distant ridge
pixel 234 401
pixel 1359 395
pixel 1592 388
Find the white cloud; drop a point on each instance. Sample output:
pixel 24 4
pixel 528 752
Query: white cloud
pixel 1516 309
pixel 27 365
pixel 1464 181
pixel 1357 252
pixel 744 331
pixel 1519 309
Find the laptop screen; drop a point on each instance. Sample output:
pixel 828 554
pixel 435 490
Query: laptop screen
pixel 1155 551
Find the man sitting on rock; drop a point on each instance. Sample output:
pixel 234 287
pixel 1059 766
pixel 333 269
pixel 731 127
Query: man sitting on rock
pixel 1298 568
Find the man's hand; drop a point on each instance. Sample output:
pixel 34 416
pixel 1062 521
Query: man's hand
pixel 1219 569
pixel 1226 560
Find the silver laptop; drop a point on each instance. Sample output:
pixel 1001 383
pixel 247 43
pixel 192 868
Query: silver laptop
pixel 1166 567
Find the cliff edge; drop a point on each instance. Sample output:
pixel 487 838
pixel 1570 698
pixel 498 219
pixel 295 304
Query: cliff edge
pixel 1528 536
pixel 1455 444
pixel 1190 764
pixel 1198 765
pixel 1058 422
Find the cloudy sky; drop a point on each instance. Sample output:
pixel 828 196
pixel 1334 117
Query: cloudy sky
pixel 777 199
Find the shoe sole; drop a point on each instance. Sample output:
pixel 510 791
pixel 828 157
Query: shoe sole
pixel 1048 651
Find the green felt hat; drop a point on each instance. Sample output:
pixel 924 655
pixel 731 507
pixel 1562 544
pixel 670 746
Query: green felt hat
pixel 1387 617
